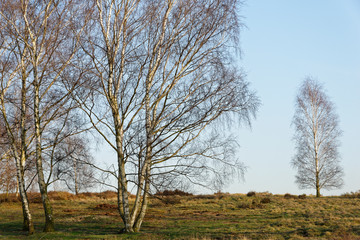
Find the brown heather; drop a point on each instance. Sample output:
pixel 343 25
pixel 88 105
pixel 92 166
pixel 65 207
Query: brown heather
pixel 217 216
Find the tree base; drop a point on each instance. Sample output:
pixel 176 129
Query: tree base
pixel 124 230
pixel 49 227
pixel 28 227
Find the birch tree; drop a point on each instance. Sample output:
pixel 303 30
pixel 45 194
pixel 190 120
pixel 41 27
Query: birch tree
pixel 190 87
pixel 13 98
pixel 74 164
pixel 114 96
pixel 52 44
pixel 8 181
pixel 161 82
pixel 317 141
pixel 48 33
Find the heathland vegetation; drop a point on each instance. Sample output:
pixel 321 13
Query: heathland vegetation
pixel 158 83
pixel 186 216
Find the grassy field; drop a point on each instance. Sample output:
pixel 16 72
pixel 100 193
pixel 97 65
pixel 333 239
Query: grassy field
pixel 218 216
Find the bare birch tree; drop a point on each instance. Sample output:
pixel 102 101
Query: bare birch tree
pixel 52 44
pixel 162 81
pixel 74 164
pixel 115 96
pixel 317 141
pixel 48 32
pixel 8 181
pixel 13 97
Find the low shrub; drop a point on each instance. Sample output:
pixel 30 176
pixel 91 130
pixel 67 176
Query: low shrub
pixel 56 195
pixel 34 197
pixel 251 194
pixel 351 194
pixel 290 196
pixel 204 197
pixel 86 195
pixel 302 196
pixel 107 194
pixel 175 192
pixel 11 197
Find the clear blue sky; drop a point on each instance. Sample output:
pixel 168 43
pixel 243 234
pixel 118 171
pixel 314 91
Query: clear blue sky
pixel 285 41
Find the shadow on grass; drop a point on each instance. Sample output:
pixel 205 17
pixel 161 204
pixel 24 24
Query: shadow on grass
pixel 13 230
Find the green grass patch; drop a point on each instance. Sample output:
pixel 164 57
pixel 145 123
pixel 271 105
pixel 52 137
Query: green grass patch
pixel 218 216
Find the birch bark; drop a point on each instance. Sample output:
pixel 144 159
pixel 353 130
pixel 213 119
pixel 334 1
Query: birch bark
pixel 18 151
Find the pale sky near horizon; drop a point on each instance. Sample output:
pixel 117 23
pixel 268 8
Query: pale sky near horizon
pixel 285 41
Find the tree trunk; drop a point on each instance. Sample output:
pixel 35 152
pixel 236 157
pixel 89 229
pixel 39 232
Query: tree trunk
pixel 317 177
pixel 17 189
pixel 140 218
pixel 123 196
pixel 28 223
pixel 76 188
pixel 317 185
pixel 7 180
pixel 138 198
pixel 49 220
pixel 149 141
pixel 148 157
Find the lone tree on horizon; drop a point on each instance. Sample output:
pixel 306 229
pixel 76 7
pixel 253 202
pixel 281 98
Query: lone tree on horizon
pixel 316 137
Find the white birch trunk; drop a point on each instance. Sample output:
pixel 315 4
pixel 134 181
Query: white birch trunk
pixel 49 219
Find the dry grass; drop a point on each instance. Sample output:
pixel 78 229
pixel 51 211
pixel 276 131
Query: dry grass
pixel 218 216
pixel 35 197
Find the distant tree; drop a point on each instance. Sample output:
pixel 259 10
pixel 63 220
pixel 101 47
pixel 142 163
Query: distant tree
pixel 7 173
pixel 316 136
pixel 74 164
